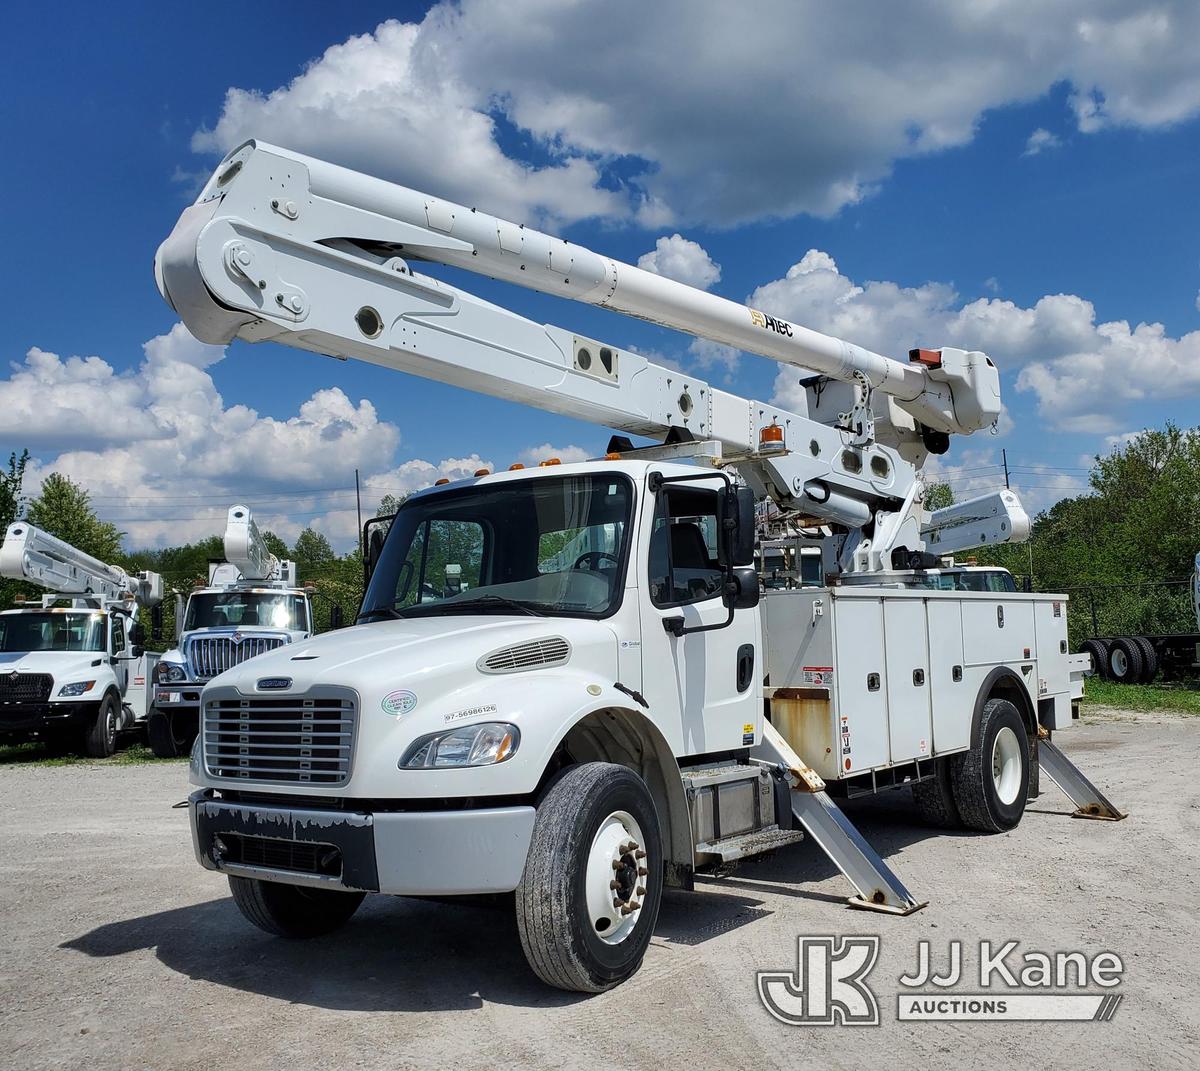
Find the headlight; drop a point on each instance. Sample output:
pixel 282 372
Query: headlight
pixel 78 688
pixel 484 744
pixel 169 673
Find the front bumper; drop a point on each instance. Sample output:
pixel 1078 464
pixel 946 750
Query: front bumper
pixel 405 853
pixel 19 718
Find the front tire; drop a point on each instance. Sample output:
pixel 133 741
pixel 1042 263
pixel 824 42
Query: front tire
pixel 293 910
pixel 100 738
pixel 164 737
pixel 592 885
pixel 991 782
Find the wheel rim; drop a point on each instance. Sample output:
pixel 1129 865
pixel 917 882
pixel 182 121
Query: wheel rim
pixel 110 726
pixel 1006 765
pixel 1120 664
pixel 616 877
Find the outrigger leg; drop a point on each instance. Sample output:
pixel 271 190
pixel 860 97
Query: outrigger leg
pixel 1089 801
pixel 878 888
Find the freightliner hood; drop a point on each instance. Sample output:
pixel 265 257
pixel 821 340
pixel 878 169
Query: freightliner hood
pixel 420 676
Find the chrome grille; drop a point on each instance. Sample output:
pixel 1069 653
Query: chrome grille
pixel 210 655
pixel 25 687
pixel 551 651
pixel 302 739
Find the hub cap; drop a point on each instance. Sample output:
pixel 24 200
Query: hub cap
pixel 616 876
pixel 1120 664
pixel 1006 765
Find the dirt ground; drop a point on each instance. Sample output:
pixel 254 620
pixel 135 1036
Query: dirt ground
pixel 120 952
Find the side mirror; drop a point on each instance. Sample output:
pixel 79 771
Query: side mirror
pixel 741 590
pixel 374 533
pixel 336 618
pixel 136 652
pixel 156 622
pixel 739 525
pixel 137 634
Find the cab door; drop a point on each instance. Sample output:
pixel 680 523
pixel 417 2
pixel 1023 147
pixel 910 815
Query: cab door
pixel 701 687
pixel 119 646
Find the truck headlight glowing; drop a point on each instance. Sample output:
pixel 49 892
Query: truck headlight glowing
pixel 484 744
pixel 76 688
pixel 169 673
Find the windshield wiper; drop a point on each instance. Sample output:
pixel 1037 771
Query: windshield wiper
pixel 490 600
pixel 387 610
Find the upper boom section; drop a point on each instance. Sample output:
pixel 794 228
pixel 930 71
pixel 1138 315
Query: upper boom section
pixel 948 391
pixel 30 554
pixel 246 549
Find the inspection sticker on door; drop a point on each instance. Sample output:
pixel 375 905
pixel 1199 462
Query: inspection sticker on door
pixel 820 675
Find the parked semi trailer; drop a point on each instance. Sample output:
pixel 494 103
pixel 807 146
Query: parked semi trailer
pixel 1139 659
pixel 252 603
pixel 584 733
pixel 73 669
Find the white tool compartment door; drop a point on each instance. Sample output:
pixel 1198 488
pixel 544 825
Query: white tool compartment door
pixel 859 673
pixel 909 727
pixel 951 688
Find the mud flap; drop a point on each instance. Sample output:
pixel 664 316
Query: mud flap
pixel 1089 801
pixel 878 888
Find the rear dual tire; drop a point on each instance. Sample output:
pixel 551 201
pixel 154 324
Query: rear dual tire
pixel 990 783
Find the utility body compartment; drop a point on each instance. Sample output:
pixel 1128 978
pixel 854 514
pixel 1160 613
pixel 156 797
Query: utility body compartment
pixel 864 678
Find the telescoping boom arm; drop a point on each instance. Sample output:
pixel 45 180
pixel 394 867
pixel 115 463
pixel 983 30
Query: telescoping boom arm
pixel 246 549
pixel 286 248
pixel 30 554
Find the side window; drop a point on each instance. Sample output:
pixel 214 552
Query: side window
pixel 118 634
pixel 684 566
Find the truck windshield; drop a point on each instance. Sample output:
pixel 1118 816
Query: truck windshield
pixel 245 609
pixel 37 631
pixel 552 545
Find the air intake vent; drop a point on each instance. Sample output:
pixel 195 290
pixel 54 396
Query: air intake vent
pixel 536 654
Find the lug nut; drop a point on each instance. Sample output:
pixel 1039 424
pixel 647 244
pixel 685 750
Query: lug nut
pixel 639 855
pixel 616 864
pixel 642 872
pixel 614 884
pixel 641 890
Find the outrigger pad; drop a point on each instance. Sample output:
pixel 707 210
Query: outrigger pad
pixel 1089 801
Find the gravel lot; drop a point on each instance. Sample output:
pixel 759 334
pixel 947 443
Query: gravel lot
pixel 122 953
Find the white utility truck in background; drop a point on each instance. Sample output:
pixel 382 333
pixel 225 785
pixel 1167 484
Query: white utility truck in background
pixel 73 669
pixel 252 603
pixel 582 733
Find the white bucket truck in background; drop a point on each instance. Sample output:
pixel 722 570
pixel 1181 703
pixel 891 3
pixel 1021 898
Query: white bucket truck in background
pixel 251 604
pixel 73 669
pixel 585 728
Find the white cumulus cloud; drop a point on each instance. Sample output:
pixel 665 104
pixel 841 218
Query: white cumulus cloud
pixel 1039 141
pixel 683 260
pixel 164 456
pixel 710 111
pixel 1084 373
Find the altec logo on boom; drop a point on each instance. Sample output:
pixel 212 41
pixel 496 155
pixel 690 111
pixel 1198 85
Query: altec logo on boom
pixel 829 985
pixel 781 327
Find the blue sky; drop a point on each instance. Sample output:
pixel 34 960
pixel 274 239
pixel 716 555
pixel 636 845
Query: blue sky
pixel 907 160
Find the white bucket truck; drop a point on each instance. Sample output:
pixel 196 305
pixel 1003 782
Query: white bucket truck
pixel 73 669
pixel 252 603
pixel 583 732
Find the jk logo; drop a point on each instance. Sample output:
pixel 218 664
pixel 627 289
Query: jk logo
pixel 828 985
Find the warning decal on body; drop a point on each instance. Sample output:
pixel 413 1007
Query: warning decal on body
pixel 817 675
